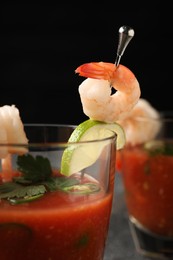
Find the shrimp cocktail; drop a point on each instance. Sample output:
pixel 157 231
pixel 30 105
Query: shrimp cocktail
pixel 55 193
pixel 147 173
pixel 57 181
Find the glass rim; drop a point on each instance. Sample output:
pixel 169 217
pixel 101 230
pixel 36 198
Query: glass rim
pixel 55 144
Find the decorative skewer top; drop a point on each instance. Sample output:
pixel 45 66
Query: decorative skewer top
pixel 126 33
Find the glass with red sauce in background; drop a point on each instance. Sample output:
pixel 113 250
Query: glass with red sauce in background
pixel 146 168
pixel 45 214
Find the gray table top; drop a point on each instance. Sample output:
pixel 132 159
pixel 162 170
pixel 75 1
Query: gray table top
pixel 120 245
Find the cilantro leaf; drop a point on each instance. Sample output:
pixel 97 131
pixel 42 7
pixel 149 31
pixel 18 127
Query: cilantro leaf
pixel 23 191
pixel 157 147
pixel 71 184
pixel 36 169
pixel 15 201
pixel 37 178
pixel 82 241
pixel 8 187
pixel 60 183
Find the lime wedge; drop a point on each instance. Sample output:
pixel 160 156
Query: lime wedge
pixel 77 157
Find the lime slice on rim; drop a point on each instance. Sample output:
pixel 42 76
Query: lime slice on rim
pixel 77 157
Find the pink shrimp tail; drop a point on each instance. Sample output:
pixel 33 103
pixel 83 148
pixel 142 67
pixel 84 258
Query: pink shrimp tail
pixel 97 70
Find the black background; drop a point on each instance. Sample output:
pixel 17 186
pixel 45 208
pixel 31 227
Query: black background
pixel 43 44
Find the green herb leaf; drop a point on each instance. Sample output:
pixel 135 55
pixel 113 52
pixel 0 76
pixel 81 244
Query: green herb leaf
pixel 60 183
pixel 82 241
pixel 23 191
pixel 36 179
pixel 36 169
pixel 15 201
pixel 8 187
pixel 158 147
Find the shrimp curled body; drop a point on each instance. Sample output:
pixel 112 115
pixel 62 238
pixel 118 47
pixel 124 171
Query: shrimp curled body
pixel 142 124
pixel 98 101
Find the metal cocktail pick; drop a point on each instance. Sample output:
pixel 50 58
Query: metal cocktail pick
pixel 126 33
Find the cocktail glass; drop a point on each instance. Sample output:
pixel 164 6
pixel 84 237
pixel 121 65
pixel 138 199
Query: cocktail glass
pixel 147 175
pixel 52 216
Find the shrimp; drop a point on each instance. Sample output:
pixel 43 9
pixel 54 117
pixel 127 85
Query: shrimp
pixel 11 129
pixel 11 132
pixel 97 97
pixel 142 123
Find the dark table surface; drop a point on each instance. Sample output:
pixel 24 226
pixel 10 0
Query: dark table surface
pixel 120 245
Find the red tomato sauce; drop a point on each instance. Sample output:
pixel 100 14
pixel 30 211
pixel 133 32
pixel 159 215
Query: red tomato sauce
pixel 148 183
pixel 58 226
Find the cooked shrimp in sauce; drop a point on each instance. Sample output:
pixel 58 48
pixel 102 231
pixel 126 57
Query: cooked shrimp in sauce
pixel 142 123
